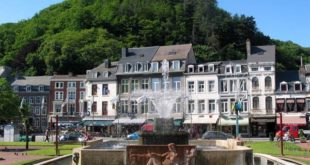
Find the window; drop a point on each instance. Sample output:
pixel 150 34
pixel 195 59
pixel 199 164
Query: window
pixel 211 106
pixel 255 103
pixel 72 95
pixel 155 84
pixel 28 88
pixel 211 68
pixel 201 106
pixel 238 69
pixel 31 100
pixel 268 82
pixel 201 68
pixel 59 95
pixel 267 68
pixel 242 85
pixel 82 95
pixel 145 84
pixel 124 86
pixel 82 84
pixel 201 86
pixel 191 86
pixel 43 110
pixel 127 68
pixel 16 88
pixel 144 106
pixel 105 89
pixel 224 106
pixel 124 106
pixel 134 85
pixel 233 85
pixel 177 106
pixel 297 86
pixel 94 89
pixel 72 109
pixel 224 86
pixel 176 83
pixel 283 86
pixel 254 69
pixel 268 103
pixel 154 66
pixel 190 69
pixel 176 65
pixel 228 69
pixel 134 107
pixel 71 84
pixel 58 108
pixel 41 88
pixel 244 106
pixel 136 67
pixel 211 85
pixel 104 108
pixel 191 106
pixel 38 100
pixel 145 67
pixel 255 84
pixel 59 85
pixel 37 110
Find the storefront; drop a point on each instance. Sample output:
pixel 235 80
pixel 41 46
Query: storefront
pixel 200 123
pixel 262 126
pixel 100 127
pixel 292 119
pixel 228 125
pixel 125 126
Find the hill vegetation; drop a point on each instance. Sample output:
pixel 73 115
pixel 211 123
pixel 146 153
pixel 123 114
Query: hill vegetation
pixel 76 35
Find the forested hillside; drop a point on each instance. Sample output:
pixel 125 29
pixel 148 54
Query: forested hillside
pixel 78 34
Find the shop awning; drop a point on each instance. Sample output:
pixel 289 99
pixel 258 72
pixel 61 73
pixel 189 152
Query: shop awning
pixel 97 122
pixel 298 120
pixel 201 119
pixel 232 121
pixel 128 121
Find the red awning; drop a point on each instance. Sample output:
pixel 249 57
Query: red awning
pixel 298 120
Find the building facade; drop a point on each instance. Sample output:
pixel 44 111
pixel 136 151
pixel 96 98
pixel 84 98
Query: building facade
pixel 35 92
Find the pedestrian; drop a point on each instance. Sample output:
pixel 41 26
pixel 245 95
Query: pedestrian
pixel 47 132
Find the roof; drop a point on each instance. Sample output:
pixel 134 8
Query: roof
pixel 99 70
pixel 265 53
pixel 172 52
pixel 290 77
pixel 142 54
pixel 68 77
pixel 33 80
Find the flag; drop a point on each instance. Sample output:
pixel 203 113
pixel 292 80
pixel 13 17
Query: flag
pixel 64 103
pixel 42 103
pixel 21 103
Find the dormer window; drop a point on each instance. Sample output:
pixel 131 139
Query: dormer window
pixel 145 67
pixel 154 66
pixel 211 68
pixel 41 88
pixel 201 68
pixel 267 68
pixel 16 88
pixel 254 69
pixel 127 68
pixel 136 67
pixel 28 88
pixel 105 74
pixel 283 86
pixel 190 69
pixel 176 65
pixel 238 69
pixel 297 86
pixel 228 69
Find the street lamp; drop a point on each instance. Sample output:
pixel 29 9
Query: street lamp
pixel 238 107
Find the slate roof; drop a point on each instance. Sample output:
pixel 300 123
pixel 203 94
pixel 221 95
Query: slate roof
pixel 172 52
pixel 68 77
pixel 112 69
pixel 265 53
pixel 32 80
pixel 290 77
pixel 142 54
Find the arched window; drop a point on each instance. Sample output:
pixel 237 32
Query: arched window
pixel 255 84
pixel 255 103
pixel 268 103
pixel 268 82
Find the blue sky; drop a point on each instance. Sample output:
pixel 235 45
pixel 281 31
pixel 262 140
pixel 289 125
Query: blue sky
pixel 279 19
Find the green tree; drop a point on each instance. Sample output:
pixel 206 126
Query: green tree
pixel 9 102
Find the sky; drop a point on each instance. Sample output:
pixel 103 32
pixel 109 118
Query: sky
pixel 280 19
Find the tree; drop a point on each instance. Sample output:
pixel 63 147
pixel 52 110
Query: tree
pixel 9 102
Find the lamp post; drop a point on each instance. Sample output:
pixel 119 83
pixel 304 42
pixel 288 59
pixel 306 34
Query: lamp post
pixel 238 107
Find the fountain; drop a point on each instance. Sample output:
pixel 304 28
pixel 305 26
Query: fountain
pixel 165 145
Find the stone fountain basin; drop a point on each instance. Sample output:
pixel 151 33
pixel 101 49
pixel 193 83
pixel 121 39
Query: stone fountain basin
pixel 219 152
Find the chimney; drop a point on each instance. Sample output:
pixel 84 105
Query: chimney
pixel 70 74
pixel 248 47
pixel 107 63
pixel 301 63
pixel 124 52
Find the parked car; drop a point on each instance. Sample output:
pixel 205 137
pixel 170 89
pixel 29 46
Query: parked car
pixel 133 136
pixel 216 135
pixel 72 136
